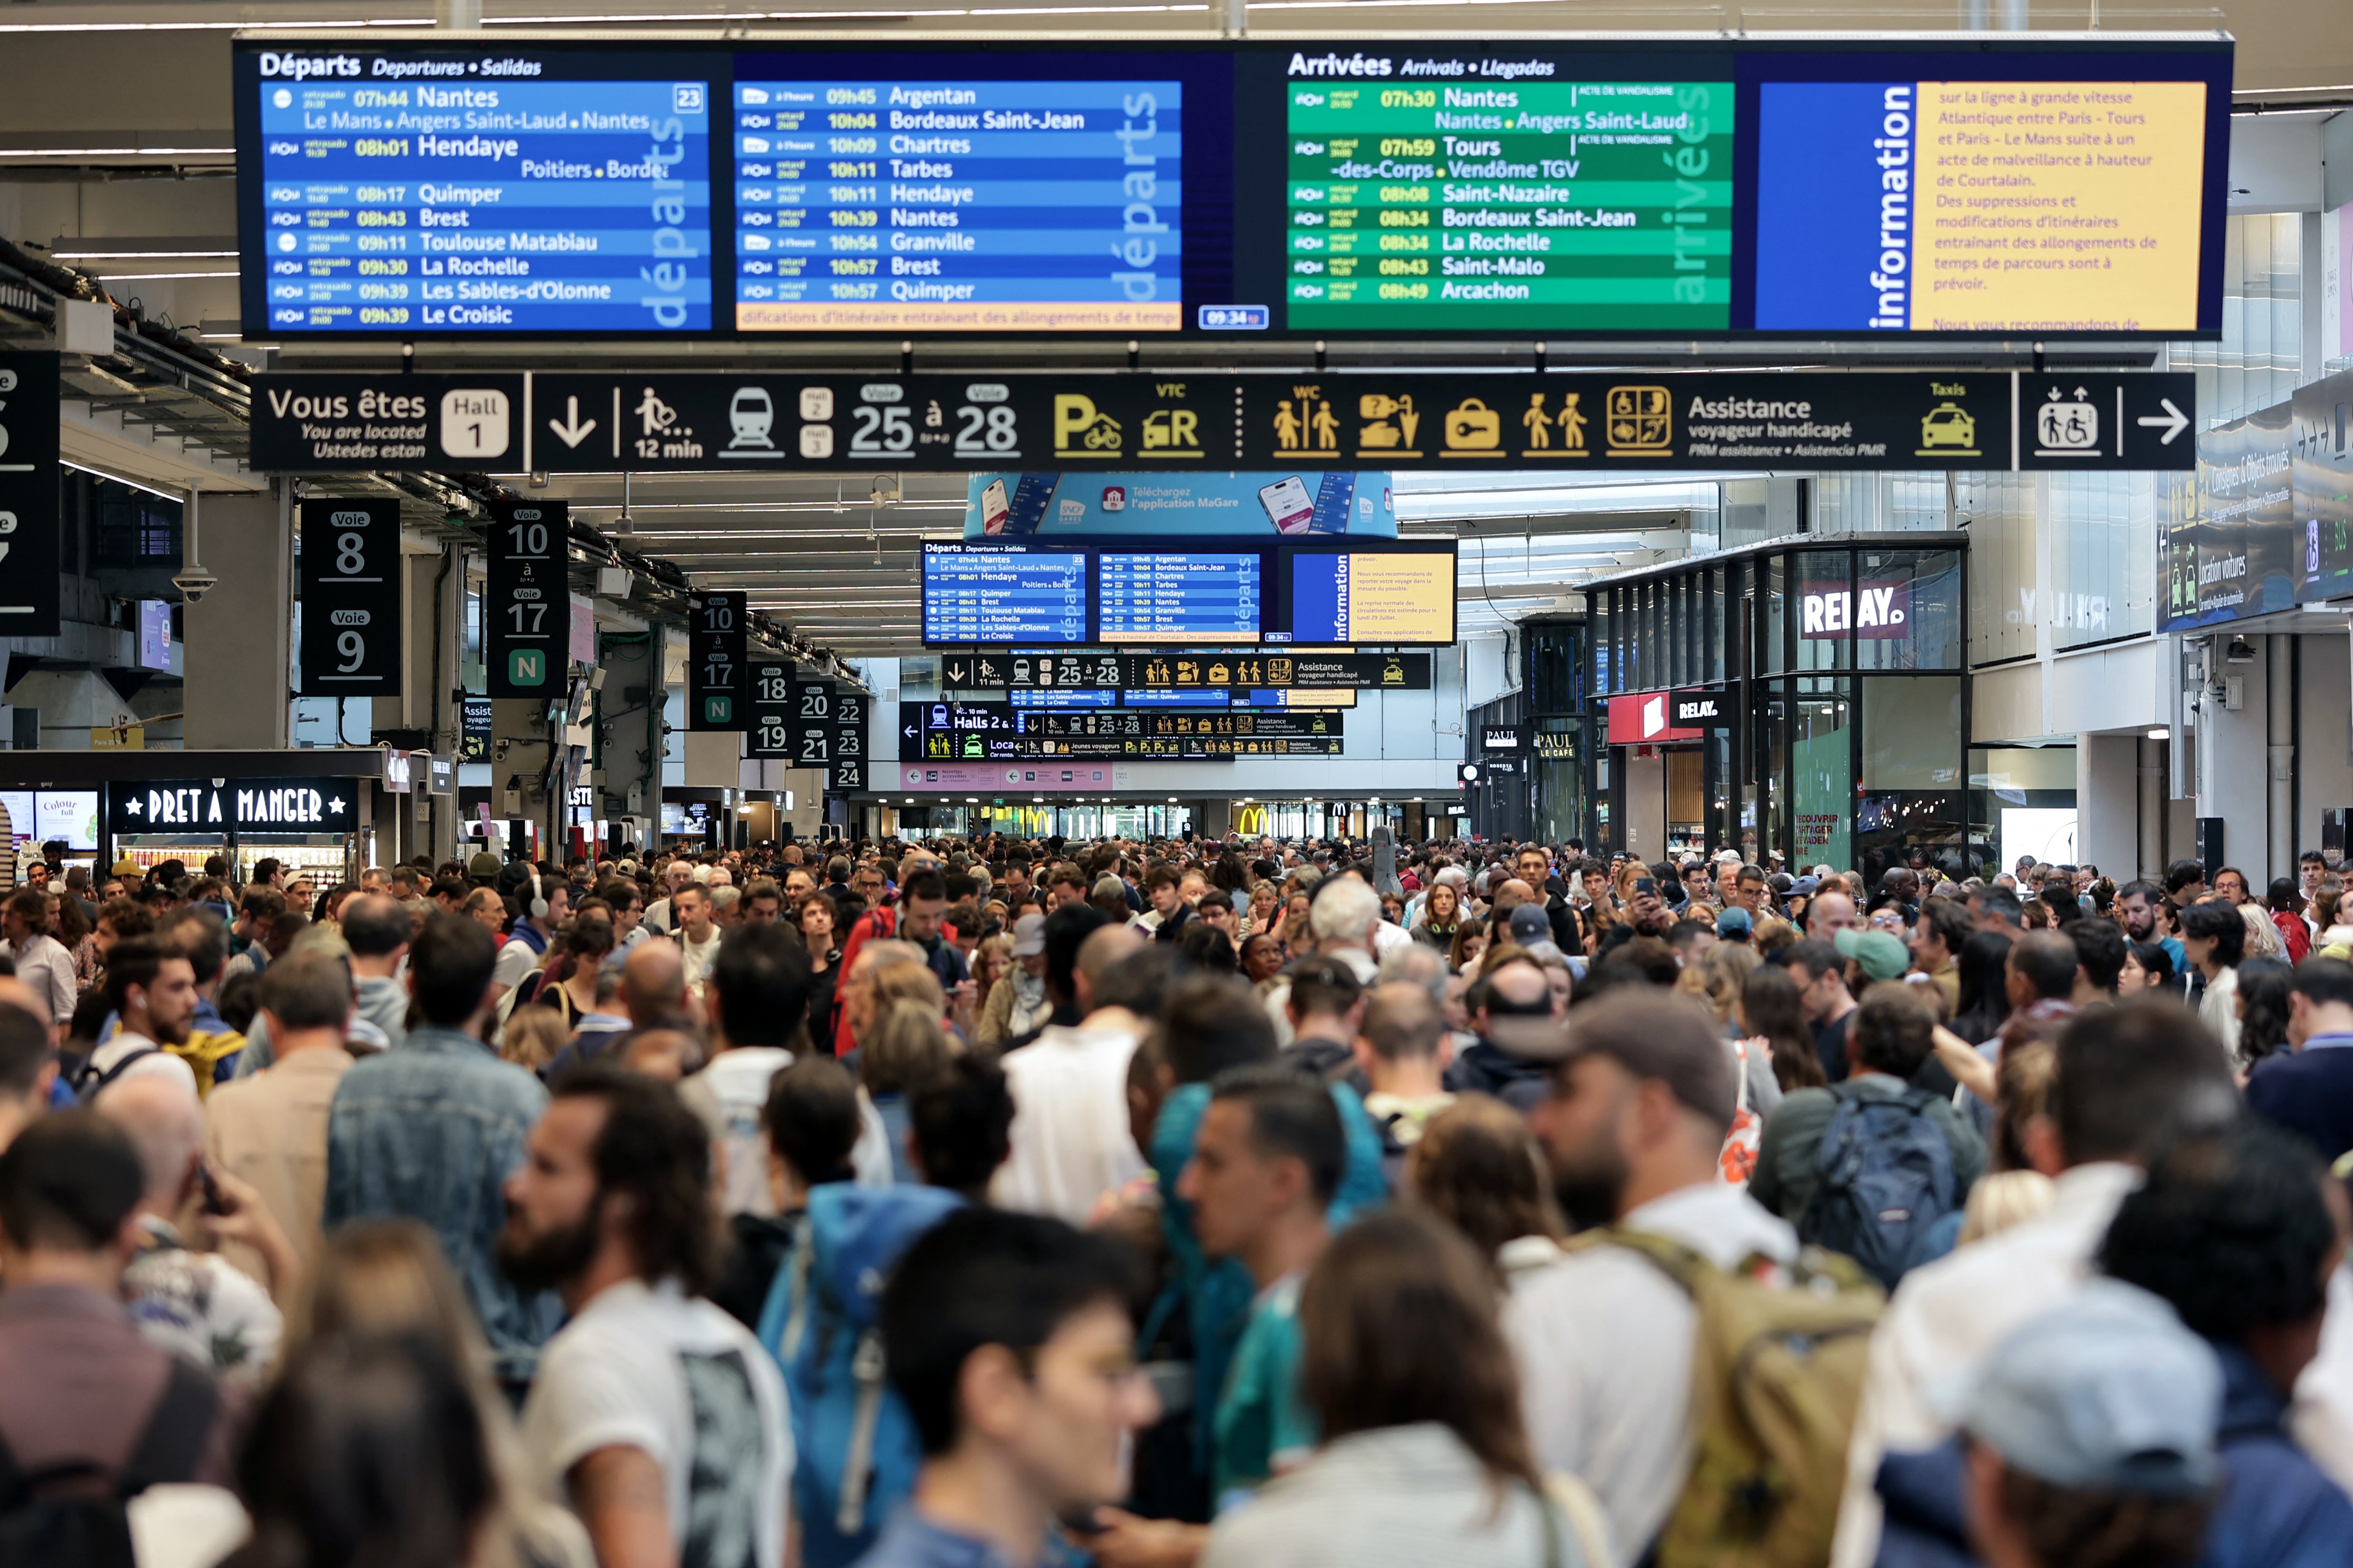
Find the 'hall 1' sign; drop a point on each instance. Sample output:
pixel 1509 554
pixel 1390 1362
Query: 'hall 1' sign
pixel 241 805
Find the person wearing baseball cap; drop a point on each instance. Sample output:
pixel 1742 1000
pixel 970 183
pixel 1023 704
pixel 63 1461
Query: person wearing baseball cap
pixel 1643 1092
pixel 1877 954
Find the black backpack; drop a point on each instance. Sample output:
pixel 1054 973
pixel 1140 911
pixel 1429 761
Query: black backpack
pixel 1884 1179
pixel 72 1515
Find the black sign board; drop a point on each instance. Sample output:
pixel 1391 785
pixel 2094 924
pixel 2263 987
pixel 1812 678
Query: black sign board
pixel 979 732
pixel 527 619
pixel 234 805
pixel 474 743
pixel 1502 738
pixel 716 661
pixel 351 597
pixel 1189 671
pixel 813 725
pixel 344 422
pixel 849 749
pixel 768 726
pixel 1691 420
pixel 1706 707
pixel 30 521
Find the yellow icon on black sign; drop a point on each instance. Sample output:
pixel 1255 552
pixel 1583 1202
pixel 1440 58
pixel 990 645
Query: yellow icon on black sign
pixel 1642 422
pixel 1083 430
pixel 1380 438
pixel 1172 433
pixel 1948 429
pixel 1473 430
pixel 1539 421
pixel 1305 425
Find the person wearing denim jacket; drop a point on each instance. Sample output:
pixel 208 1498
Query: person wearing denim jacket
pixel 430 1131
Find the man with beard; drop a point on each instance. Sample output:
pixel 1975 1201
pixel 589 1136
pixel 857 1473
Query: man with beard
pixel 430 1131
pixel 1638 1112
pixel 656 1416
pixel 152 990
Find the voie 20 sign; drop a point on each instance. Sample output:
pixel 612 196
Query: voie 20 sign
pixel 1872 610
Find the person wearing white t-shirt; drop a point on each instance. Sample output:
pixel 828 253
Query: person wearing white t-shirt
pixel 759 994
pixel 698 932
pixel 656 1416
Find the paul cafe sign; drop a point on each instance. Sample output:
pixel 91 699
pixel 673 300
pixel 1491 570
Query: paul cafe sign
pixel 233 805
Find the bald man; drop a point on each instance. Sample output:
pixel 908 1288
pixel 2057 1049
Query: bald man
pixel 1830 913
pixel 196 1304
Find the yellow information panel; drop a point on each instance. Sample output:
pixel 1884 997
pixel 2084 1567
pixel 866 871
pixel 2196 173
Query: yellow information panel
pixel 2059 207
pixel 1401 599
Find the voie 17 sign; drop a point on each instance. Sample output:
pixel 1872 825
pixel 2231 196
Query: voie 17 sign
pixel 715 662
pixel 351 597
pixel 233 805
pixel 527 621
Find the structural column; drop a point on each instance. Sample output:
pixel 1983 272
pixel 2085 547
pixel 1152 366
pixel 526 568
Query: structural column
pixel 238 652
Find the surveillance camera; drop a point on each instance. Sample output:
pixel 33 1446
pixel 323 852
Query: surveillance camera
pixel 194 583
pixel 2240 651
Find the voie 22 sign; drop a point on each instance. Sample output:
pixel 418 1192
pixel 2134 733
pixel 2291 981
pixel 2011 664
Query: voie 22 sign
pixel 1873 610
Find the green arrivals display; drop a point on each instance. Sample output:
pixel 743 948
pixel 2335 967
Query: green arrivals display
pixel 1527 205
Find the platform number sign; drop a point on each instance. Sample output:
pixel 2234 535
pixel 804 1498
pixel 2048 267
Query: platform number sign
pixel 768 731
pixel 717 659
pixel 31 530
pixel 527 622
pixel 351 597
pixel 813 725
pixel 849 769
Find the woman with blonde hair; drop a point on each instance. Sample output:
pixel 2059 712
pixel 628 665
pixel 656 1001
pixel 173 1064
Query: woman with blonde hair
pixel 1717 976
pixel 381 1279
pixel 533 1035
pixel 904 1047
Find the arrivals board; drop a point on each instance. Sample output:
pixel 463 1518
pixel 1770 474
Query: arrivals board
pixel 1674 188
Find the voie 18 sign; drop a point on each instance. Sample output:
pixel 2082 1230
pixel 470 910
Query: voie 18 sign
pixel 233 805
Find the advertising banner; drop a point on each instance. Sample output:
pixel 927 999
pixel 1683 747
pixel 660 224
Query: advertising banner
pixel 1312 501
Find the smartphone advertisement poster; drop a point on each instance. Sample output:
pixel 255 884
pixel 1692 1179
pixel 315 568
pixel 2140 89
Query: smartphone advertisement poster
pixel 1292 504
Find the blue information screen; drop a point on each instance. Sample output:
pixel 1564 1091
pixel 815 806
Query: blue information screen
pixel 979 593
pixel 910 205
pixel 413 195
pixel 1187 598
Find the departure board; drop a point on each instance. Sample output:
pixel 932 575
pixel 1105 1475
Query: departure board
pixel 981 593
pixel 958 206
pixel 1533 205
pixel 1177 597
pixel 414 194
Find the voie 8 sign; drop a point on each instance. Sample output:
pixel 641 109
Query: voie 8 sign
pixel 351 597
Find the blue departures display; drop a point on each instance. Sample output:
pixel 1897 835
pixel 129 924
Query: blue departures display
pixel 1009 206
pixel 979 595
pixel 1178 598
pixel 451 205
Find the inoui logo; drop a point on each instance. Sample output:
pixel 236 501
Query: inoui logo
pixel 1877 610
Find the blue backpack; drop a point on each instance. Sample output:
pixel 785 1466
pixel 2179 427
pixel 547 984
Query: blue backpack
pixel 1885 1181
pixel 855 1446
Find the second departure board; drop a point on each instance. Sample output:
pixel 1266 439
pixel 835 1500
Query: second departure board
pixel 1532 204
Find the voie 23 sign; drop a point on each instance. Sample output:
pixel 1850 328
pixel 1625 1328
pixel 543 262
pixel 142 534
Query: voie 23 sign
pixel 243 805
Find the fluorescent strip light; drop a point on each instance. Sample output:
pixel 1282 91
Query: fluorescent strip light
pixel 137 255
pixel 155 277
pixel 119 479
pixel 10 154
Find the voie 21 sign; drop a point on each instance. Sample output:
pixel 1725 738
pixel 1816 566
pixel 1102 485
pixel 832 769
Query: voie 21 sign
pixel 246 805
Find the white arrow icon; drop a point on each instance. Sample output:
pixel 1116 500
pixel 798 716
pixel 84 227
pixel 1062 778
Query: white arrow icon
pixel 573 431
pixel 2173 420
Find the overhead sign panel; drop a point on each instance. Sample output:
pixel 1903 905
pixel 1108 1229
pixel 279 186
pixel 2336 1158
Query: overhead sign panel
pixel 30 522
pixel 1282 426
pixel 768 731
pixel 351 597
pixel 1674 188
pixel 716 661
pixel 527 617
pixel 1175 672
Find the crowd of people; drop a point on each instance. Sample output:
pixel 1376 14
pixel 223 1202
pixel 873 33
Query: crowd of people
pixel 993 1203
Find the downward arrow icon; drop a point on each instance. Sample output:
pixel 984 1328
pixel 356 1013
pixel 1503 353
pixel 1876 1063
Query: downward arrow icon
pixel 2173 420
pixel 572 430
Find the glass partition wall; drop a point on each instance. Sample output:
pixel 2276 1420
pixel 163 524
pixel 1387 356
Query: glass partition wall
pixel 1843 660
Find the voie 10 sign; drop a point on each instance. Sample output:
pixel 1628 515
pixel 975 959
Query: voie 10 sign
pixel 351 597
pixel 1699 187
pixel 527 617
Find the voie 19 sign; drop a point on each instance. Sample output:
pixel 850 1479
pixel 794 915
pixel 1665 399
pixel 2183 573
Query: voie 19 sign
pixel 240 805
pixel 1873 610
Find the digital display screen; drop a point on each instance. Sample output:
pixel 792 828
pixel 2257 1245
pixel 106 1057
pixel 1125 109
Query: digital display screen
pixel 1527 205
pixel 1358 596
pixel 1699 187
pixel 1174 597
pixel 443 192
pixel 952 205
pixel 985 594
pixel 1228 593
pixel 45 815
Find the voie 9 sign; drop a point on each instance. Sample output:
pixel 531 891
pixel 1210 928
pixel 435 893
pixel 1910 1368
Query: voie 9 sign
pixel 1872 610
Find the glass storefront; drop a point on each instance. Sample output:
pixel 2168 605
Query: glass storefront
pixel 1842 662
